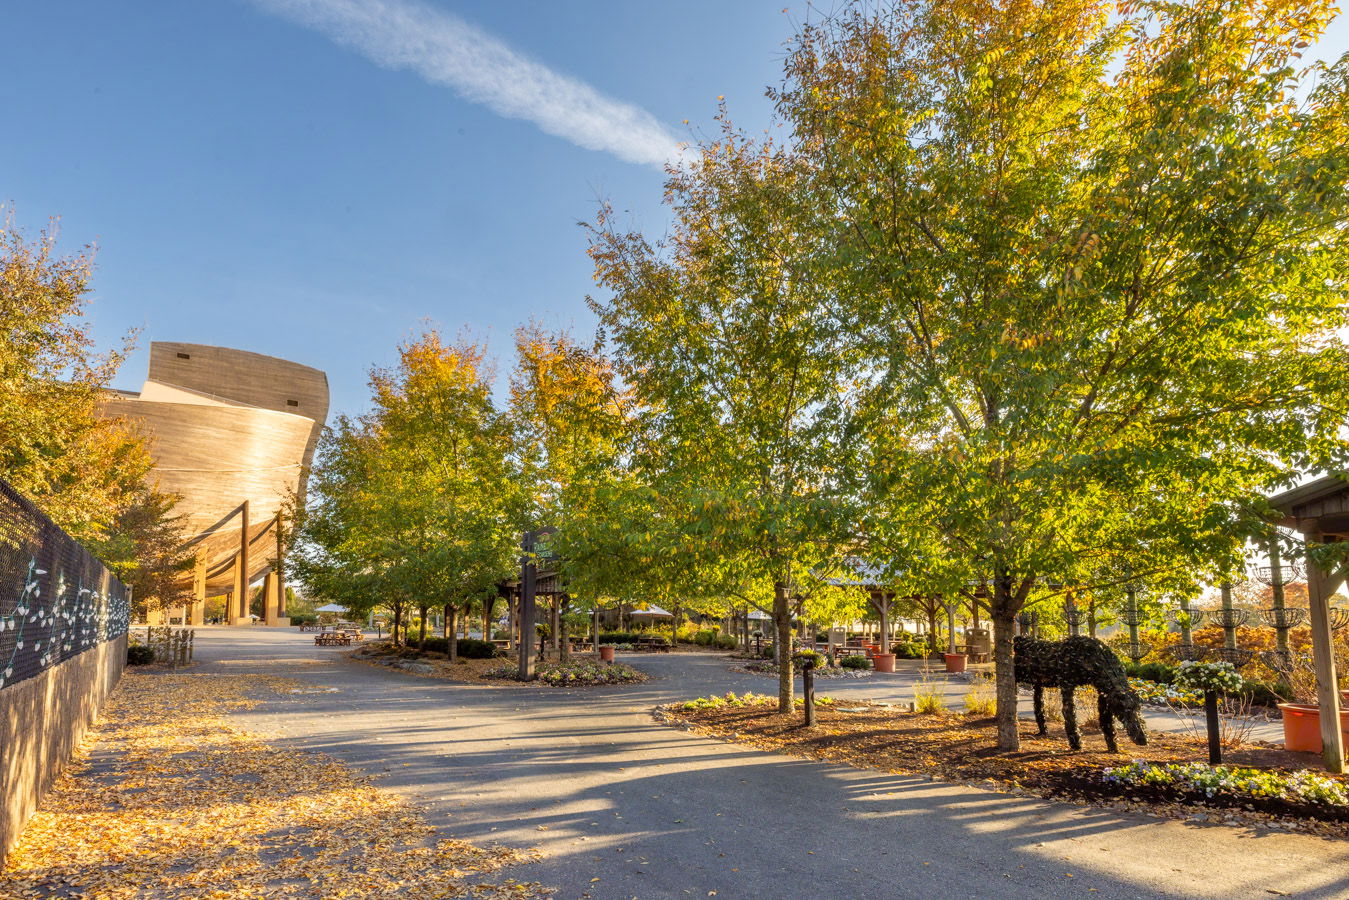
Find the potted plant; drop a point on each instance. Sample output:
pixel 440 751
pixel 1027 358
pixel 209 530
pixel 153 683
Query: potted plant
pixel 883 661
pixel 606 653
pixel 955 662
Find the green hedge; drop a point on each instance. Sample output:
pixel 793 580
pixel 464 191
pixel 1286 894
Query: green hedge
pixel 468 648
pixel 710 637
pixel 1158 672
pixel 909 649
pixel 139 655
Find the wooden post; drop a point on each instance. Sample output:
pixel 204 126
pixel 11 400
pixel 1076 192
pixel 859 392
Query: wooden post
pixel 808 689
pixel 527 573
pixel 271 600
pixel 1323 653
pixel 198 606
pixel 239 614
pixel 280 571
pixel 1215 747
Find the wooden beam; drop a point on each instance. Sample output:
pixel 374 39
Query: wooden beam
pixel 1319 588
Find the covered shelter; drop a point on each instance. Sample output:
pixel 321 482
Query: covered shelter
pixel 1319 510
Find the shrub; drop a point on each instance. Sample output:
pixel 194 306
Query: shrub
pixel 139 655
pixel 1268 693
pixel 619 637
pixel 818 660
pixel 725 642
pixel 304 619
pixel 854 662
pixel 1158 672
pixel 468 648
pixel 981 699
pixel 908 650
pixel 929 698
pixel 471 648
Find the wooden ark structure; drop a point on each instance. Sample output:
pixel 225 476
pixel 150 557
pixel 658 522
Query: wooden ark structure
pixel 232 433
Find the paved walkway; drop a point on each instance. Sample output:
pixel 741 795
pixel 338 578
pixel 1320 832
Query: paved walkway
pixel 653 812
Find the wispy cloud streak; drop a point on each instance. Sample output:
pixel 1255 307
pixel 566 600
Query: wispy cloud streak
pixel 444 49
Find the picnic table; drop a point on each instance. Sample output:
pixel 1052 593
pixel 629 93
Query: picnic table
pixel 332 638
pixel 654 644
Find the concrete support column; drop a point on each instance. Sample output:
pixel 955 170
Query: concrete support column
pixel 1319 588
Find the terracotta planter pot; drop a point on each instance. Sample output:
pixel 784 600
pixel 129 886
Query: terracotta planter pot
pixel 1302 727
pixel 606 653
pixel 884 662
pixel 955 662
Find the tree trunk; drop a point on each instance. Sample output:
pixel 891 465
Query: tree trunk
pixel 563 645
pixel 595 630
pixel 884 605
pixel 445 622
pixel 452 644
pixel 782 618
pixel 555 624
pixel 397 623
pixel 1004 666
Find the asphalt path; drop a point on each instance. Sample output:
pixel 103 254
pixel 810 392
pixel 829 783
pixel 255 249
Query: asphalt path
pixel 623 807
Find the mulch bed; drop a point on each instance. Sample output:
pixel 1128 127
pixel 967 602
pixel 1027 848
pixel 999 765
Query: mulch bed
pixel 960 748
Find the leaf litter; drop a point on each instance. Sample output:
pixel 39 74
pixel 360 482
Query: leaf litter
pixel 167 799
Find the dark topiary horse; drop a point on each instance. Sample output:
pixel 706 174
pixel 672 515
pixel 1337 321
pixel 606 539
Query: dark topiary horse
pixel 1069 664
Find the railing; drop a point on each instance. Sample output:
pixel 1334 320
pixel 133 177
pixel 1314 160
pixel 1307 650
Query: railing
pixel 56 599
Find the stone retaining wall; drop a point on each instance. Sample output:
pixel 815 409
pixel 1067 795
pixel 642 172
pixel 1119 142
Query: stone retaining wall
pixel 42 721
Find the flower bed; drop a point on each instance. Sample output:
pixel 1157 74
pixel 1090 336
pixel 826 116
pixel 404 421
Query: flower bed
pixel 746 699
pixel 770 668
pixel 1299 786
pixel 577 673
pixel 1165 694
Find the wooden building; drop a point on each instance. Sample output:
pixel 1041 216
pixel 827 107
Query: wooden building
pixel 232 433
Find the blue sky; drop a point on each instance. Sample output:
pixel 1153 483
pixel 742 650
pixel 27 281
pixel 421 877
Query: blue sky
pixel 255 178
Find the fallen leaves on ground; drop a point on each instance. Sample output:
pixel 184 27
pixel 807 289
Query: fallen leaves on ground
pixel 168 799
pixel 962 749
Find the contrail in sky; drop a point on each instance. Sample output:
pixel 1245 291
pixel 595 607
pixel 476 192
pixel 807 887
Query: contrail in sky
pixel 444 49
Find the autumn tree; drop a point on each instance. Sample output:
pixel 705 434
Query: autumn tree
pixel 1094 261
pixel 571 433
pixel 146 546
pixel 717 330
pixel 89 472
pixel 81 468
pixel 413 504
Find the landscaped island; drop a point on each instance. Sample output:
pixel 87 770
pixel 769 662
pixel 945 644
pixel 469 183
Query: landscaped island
pixel 489 667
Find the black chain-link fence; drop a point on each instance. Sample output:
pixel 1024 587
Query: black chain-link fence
pixel 56 599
